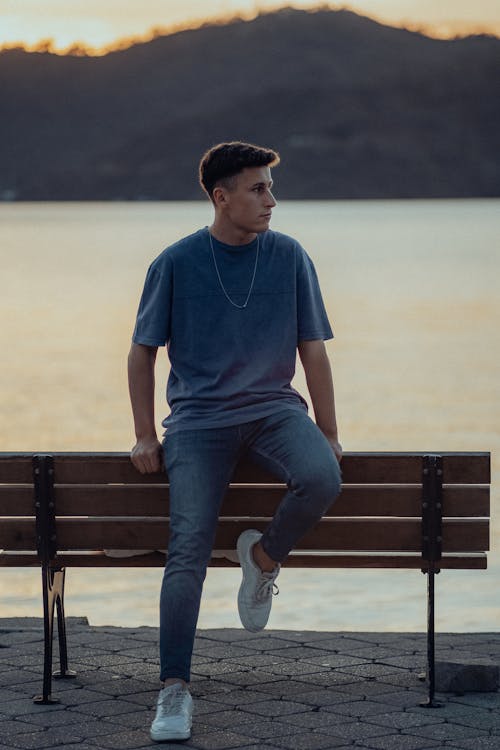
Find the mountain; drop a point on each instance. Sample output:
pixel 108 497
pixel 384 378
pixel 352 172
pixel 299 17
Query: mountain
pixel 356 109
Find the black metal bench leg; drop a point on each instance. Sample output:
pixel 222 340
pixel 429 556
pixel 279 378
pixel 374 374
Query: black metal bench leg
pixel 63 671
pixel 53 595
pixel 432 508
pixel 431 663
pixel 48 629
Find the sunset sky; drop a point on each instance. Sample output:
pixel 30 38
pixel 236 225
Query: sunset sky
pixel 102 22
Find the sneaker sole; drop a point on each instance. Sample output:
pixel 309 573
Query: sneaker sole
pixel 164 737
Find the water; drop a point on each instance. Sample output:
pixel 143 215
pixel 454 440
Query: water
pixel 412 291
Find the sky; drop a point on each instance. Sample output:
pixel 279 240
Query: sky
pixel 99 23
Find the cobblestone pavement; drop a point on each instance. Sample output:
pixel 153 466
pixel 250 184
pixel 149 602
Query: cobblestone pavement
pixel 276 690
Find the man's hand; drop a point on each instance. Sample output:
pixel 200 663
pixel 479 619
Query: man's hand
pixel 146 455
pixel 336 447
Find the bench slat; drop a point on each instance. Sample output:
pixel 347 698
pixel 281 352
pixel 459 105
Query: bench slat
pixel 241 501
pixel 17 500
pixel 17 534
pixel 382 468
pixel 151 500
pixel 396 535
pixel 98 559
pixel 15 468
pixel 467 469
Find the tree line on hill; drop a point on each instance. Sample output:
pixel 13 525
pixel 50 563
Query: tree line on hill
pixel 356 109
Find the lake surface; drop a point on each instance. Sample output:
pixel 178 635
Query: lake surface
pixel 411 288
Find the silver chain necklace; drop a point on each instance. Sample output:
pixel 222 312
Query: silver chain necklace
pixel 240 307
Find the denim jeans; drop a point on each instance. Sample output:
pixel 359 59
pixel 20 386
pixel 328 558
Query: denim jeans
pixel 200 464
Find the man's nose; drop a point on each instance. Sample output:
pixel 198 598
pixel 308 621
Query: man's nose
pixel 270 199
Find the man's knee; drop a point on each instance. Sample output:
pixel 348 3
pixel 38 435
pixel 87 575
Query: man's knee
pixel 189 551
pixel 319 480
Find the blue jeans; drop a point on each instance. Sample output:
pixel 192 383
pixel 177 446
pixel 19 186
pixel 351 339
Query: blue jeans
pixel 200 464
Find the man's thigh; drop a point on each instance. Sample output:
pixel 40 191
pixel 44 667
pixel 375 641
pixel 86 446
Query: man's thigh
pixel 293 447
pixel 199 465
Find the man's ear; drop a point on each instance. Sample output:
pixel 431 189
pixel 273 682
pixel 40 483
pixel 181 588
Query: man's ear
pixel 219 196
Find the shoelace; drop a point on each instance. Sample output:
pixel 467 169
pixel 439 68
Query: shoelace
pixel 266 587
pixel 171 702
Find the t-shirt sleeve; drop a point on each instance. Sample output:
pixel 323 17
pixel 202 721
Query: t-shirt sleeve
pixel 152 326
pixel 312 319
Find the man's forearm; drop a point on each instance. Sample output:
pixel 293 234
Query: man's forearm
pixel 141 381
pixel 319 380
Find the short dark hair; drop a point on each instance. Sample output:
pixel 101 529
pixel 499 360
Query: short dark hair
pixel 226 160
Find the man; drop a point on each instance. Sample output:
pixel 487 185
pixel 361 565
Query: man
pixel 232 303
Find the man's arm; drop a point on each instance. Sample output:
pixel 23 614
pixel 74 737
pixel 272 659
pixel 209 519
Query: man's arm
pixel 146 453
pixel 320 385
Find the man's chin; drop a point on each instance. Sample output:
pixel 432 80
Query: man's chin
pixel 260 225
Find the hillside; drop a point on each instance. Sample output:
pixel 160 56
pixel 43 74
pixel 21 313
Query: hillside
pixel 357 110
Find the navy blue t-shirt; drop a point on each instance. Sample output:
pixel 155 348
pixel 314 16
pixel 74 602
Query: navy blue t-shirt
pixel 230 365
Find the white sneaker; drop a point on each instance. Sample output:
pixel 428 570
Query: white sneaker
pixel 174 714
pixel 256 591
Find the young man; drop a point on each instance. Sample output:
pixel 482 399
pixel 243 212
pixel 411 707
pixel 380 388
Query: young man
pixel 233 303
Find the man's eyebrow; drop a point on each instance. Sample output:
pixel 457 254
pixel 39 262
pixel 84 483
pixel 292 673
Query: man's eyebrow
pixel 263 182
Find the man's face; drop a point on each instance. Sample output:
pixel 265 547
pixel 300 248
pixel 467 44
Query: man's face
pixel 249 203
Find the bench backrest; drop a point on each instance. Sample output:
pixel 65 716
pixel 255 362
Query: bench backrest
pixel 98 501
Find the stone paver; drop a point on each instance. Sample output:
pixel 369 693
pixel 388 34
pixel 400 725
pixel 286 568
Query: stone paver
pixel 276 690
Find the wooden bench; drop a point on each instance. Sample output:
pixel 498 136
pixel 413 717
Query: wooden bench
pixel 396 510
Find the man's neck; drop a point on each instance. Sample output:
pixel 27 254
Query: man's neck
pixel 231 235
